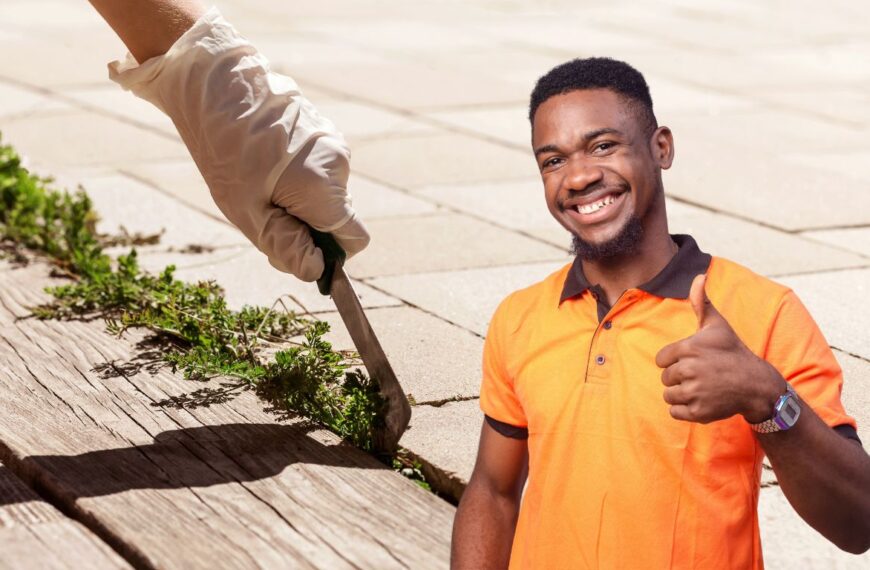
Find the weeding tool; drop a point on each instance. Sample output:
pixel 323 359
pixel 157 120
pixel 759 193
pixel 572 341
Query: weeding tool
pixel 335 282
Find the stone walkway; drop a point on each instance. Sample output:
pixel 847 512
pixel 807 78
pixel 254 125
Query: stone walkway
pixel 769 107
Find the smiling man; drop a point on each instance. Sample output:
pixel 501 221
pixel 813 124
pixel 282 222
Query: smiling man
pixel 634 393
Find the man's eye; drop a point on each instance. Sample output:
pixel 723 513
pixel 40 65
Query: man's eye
pixel 550 162
pixel 603 146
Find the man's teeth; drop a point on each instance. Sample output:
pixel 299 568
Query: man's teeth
pixel 595 206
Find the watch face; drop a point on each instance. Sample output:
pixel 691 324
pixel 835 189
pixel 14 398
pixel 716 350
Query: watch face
pixel 787 412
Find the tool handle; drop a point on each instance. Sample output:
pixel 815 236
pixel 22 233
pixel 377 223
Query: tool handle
pixel 333 255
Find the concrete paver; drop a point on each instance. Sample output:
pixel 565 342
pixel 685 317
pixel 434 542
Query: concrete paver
pixel 857 239
pixel 840 302
pixel 432 359
pixel 179 178
pixel 372 200
pixel 468 297
pixel 417 244
pixel 110 142
pixel 128 203
pixel 18 101
pixel 109 98
pixel 447 158
pixel 453 451
pixel 856 391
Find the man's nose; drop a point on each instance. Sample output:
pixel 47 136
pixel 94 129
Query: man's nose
pixel 582 174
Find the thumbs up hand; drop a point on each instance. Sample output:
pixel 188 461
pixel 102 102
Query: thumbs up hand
pixel 712 375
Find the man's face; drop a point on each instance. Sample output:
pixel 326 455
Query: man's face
pixel 600 167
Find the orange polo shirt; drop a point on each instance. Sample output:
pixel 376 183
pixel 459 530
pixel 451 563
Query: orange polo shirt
pixel 614 481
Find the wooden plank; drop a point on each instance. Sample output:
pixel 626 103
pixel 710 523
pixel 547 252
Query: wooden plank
pixel 33 534
pixel 185 486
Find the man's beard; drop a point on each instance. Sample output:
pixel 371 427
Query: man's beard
pixel 626 242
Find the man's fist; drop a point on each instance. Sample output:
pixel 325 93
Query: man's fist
pixel 712 375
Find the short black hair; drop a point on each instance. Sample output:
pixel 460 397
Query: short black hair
pixel 596 73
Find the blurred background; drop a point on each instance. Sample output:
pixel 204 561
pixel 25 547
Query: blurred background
pixel 769 102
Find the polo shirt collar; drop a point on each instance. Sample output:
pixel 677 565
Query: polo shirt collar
pixel 674 281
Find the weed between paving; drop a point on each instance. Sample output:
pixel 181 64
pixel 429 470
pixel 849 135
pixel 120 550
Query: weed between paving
pixel 276 352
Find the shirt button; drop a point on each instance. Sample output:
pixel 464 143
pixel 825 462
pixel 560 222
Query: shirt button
pixel 599 359
pixel 608 325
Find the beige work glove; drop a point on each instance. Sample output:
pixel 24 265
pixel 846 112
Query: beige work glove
pixel 267 156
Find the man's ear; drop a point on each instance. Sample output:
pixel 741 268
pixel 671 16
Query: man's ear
pixel 662 147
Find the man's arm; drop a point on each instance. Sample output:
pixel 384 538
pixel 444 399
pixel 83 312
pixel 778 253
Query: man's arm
pixel 149 27
pixel 483 529
pixel 712 375
pixel 826 478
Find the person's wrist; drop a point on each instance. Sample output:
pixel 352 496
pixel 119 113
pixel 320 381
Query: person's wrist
pixel 770 386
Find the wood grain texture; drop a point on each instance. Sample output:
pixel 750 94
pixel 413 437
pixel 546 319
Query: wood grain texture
pixel 86 419
pixel 35 535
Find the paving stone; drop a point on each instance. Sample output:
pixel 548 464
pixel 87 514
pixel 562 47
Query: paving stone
pixel 856 392
pixel 855 239
pixel 848 105
pixel 840 302
pixel 247 278
pixel 18 101
pixel 765 188
pixel 764 250
pixel 440 242
pixel 86 139
pixel 112 100
pixel 509 124
pixel 769 131
pixel 854 162
pixel 446 437
pixel 676 98
pixel 432 359
pixel 788 542
pixel 420 87
pixel 359 121
pixel 181 179
pixel 412 162
pixel 123 201
pixel 56 57
pixel 517 205
pixel 372 200
pixel 467 298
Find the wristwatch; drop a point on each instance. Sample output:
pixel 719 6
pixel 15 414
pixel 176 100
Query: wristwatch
pixel 786 412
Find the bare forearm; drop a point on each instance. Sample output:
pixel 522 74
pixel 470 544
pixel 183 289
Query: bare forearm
pixel 825 477
pixel 149 27
pixel 483 530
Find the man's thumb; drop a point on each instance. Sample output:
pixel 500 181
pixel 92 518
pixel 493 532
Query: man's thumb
pixel 698 298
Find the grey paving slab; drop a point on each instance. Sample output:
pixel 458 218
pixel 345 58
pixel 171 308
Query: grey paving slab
pixel 518 205
pixel 359 121
pixel 788 542
pixel 672 98
pixel 111 99
pixel 124 202
pixel 770 130
pixel 412 162
pixel 840 302
pixel 432 359
pixel 467 298
pixel 856 391
pixel 849 105
pixel 446 437
pixel 420 87
pixel 440 242
pixel 855 239
pixel 181 179
pixel 765 188
pixel 86 139
pixel 764 250
pixel 372 200
pixel 509 124
pixel 854 162
pixel 247 278
pixel 19 101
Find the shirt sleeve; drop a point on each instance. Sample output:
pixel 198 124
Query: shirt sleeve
pixel 498 399
pixel 798 350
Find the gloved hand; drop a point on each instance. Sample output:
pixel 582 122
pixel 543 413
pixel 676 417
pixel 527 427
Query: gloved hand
pixel 267 156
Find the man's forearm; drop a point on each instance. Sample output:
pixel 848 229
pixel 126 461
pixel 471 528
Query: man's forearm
pixel 149 27
pixel 825 477
pixel 483 530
